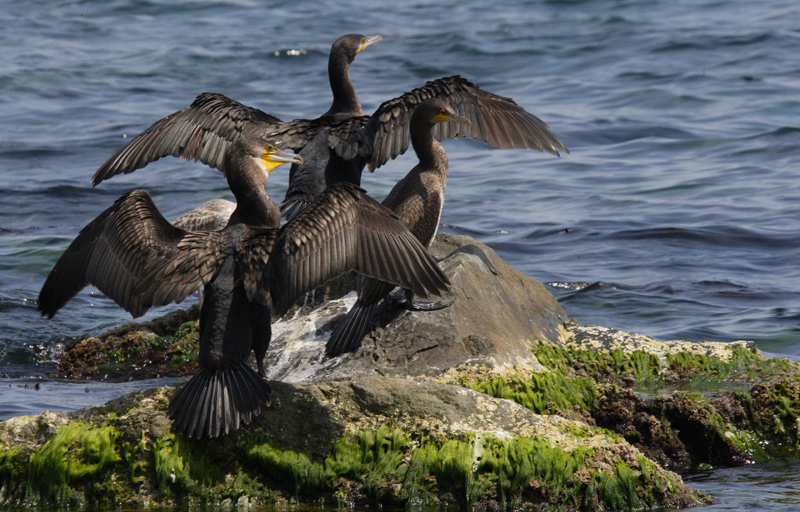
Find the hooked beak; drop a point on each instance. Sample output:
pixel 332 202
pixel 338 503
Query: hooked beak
pixel 453 118
pixel 274 157
pixel 369 41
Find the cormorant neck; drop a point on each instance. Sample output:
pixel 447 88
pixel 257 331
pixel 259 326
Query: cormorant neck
pixel 431 154
pixel 253 205
pixel 345 100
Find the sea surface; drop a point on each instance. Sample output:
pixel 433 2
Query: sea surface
pixel 675 214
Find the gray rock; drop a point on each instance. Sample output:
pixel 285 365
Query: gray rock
pixel 313 416
pixel 497 315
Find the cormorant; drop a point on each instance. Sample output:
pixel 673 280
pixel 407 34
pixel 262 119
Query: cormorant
pixel 251 267
pixel 337 145
pixel 417 199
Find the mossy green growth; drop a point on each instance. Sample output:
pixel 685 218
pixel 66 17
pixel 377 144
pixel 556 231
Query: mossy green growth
pixel 67 469
pixel 526 469
pixel 389 467
pixel 182 347
pixel 306 476
pixel 773 408
pixel 625 488
pixel 550 392
pixel 374 459
pixel 13 473
pixel 455 468
pixel 750 443
pixel 640 365
pixel 182 467
pixel 743 365
pixel 82 466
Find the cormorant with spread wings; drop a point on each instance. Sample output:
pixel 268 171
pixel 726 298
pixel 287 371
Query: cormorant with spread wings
pixel 339 144
pixel 248 269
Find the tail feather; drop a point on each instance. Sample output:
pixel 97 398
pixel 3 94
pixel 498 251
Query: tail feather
pixel 351 330
pixel 217 401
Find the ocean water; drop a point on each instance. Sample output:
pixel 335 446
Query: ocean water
pixel 675 214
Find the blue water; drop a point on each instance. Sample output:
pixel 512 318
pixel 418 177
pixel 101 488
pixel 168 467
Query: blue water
pixel 675 215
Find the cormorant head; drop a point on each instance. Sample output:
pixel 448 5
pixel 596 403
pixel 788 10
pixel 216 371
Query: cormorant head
pixel 351 45
pixel 256 158
pixel 272 157
pixel 436 110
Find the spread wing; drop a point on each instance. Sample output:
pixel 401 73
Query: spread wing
pixel 202 131
pixel 349 138
pixel 496 120
pixel 135 257
pixel 344 229
pixel 296 134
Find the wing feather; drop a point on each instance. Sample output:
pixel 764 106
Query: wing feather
pixel 132 254
pixel 347 230
pixel 496 120
pixel 202 131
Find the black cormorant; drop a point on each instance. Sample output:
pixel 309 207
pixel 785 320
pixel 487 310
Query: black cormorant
pixel 250 268
pixel 417 199
pixel 337 145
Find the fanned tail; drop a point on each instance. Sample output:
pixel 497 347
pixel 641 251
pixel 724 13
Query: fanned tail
pixel 216 402
pixel 351 330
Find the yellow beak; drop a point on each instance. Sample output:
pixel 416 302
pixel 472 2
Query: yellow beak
pixel 273 157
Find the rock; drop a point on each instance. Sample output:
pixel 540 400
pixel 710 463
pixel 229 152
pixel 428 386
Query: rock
pixel 593 337
pixel 371 440
pixel 498 313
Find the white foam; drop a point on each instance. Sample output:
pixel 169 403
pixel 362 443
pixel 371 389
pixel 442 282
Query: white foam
pixel 297 351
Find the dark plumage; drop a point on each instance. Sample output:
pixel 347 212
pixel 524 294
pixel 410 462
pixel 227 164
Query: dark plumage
pixel 249 269
pixel 417 199
pixel 337 145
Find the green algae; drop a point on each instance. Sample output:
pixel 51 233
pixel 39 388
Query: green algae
pixel 526 469
pixel 68 469
pixel 773 408
pixel 305 476
pixel 569 389
pixel 90 465
pixel 374 459
pixel 389 467
pixel 648 371
pixel 455 468
pixel 550 392
pixel 13 473
pixel 183 467
pixel 639 365
pixel 165 346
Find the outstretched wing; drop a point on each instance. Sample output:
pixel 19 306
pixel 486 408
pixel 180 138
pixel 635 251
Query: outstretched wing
pixel 496 120
pixel 349 138
pixel 298 133
pixel 135 257
pixel 202 131
pixel 344 229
